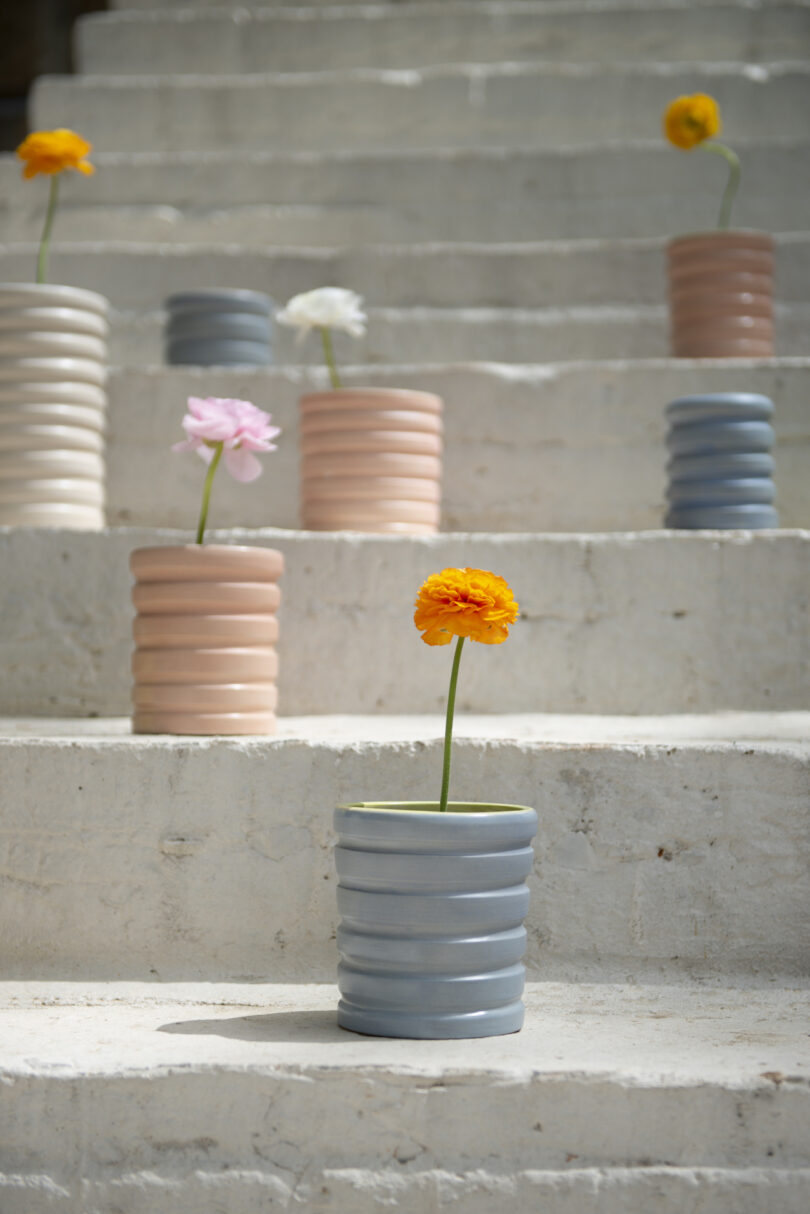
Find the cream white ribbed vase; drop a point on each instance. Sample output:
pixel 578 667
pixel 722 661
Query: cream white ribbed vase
pixel 371 460
pixel 53 372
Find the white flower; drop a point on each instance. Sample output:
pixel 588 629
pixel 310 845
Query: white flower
pixel 325 308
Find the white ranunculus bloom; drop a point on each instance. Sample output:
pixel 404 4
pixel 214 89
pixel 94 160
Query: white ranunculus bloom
pixel 325 308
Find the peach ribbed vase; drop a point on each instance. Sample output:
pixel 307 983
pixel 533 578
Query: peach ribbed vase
pixel 371 460
pixel 205 633
pixel 721 295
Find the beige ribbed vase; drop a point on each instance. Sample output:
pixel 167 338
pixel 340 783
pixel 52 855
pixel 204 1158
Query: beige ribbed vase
pixel 371 460
pixel 205 633
pixel 53 369
pixel 721 295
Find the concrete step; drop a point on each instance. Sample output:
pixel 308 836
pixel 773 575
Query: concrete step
pixel 499 303
pixel 478 194
pixel 615 622
pixel 612 1100
pixel 545 104
pixel 416 35
pixel 542 274
pixel 516 440
pixel 667 846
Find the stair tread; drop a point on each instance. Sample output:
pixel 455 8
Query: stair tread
pixel 752 1036
pixel 769 730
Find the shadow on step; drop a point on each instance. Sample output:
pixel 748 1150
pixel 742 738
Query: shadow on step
pixel 320 1026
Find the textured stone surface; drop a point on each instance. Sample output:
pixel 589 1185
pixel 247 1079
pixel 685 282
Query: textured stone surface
pixel 508 466
pixel 612 1098
pixel 614 189
pixel 544 104
pixel 399 36
pixel 666 845
pixel 624 622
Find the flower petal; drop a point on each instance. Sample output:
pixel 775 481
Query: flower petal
pixel 242 465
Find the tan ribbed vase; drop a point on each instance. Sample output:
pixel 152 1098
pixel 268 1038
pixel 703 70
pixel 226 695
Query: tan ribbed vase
pixel 721 295
pixel 53 371
pixel 371 460
pixel 205 633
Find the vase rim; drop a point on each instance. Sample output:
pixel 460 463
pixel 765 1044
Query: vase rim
pixel 395 393
pixel 459 808
pixel 96 301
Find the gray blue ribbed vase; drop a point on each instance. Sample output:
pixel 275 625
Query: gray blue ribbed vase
pixel 720 464
pixel 218 328
pixel 432 907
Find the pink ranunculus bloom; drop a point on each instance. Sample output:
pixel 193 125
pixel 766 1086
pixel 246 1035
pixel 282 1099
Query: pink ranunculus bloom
pixel 237 424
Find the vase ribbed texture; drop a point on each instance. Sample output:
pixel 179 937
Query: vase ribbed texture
pixel 205 634
pixel 721 295
pixel 432 908
pixel 53 401
pixel 218 328
pixel 720 467
pixel 371 460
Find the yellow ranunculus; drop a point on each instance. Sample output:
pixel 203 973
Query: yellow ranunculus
pixel 469 603
pixel 690 120
pixel 52 152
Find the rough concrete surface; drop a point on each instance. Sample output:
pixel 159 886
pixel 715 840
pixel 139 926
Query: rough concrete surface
pixel 666 845
pixel 510 467
pixel 612 1098
pixel 544 104
pixel 625 622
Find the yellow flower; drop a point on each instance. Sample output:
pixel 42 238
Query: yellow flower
pixel 52 152
pixel 690 120
pixel 465 603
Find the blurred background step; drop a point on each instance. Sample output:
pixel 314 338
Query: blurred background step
pixel 612 1100
pixel 516 439
pixel 623 189
pixel 546 104
pixel 648 622
pixel 667 845
pixel 302 39
pixel 430 303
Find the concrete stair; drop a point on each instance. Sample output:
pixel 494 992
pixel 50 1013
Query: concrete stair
pixel 231 1094
pixel 490 175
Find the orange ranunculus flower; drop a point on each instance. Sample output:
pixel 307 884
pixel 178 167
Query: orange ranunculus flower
pixel 52 152
pixel 690 120
pixel 465 603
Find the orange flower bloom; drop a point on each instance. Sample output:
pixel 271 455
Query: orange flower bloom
pixel 52 152
pixel 688 121
pixel 465 603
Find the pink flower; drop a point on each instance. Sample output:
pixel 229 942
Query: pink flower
pixel 237 424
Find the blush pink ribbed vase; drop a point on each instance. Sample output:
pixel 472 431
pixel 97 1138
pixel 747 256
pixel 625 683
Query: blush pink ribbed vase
pixel 721 295
pixel 371 460
pixel 205 633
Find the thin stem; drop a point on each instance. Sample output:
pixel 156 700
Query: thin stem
pixel 209 480
pixel 42 260
pixel 329 356
pixel 733 161
pixel 448 729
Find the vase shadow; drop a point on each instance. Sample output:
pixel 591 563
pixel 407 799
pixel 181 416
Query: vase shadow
pixel 304 1026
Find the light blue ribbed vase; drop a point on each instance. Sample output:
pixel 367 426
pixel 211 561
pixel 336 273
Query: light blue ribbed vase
pixel 432 908
pixel 720 464
pixel 218 328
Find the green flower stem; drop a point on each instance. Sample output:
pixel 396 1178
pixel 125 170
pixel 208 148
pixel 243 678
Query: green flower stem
pixel 44 244
pixel 329 356
pixel 733 182
pixel 209 480
pixel 448 729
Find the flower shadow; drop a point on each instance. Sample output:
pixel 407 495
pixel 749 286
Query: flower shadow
pixel 304 1026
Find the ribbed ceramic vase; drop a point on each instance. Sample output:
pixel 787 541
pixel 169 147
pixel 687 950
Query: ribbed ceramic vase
pixel 432 905
pixel 721 295
pixel 205 634
pixel 720 467
pixel 371 460
pixel 53 372
pixel 218 328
